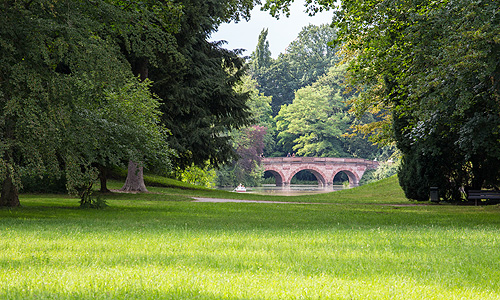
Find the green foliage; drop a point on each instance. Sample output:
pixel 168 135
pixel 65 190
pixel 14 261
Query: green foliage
pixel 413 178
pixel 261 57
pixel 154 180
pixel 311 55
pixel 89 200
pixel 308 95
pixel 69 96
pixel 235 174
pixel 314 124
pixel 276 82
pixel 279 7
pixel 75 94
pixel 385 170
pixel 307 58
pixel 317 121
pixel 199 102
pixel 259 105
pixel 198 176
pixel 251 141
pixel 131 114
pixel 249 144
pixel 43 184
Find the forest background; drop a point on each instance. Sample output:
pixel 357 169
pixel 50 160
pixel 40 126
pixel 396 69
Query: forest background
pixel 301 104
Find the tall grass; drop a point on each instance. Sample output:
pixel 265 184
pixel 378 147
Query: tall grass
pixel 162 246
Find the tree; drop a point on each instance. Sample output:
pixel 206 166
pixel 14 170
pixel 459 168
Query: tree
pixel 198 176
pixel 317 121
pixel 439 79
pixel 261 57
pixel 166 41
pixel 277 82
pixel 313 125
pixel 67 97
pixel 250 142
pixel 144 33
pixel 199 103
pixel 260 108
pixel 311 55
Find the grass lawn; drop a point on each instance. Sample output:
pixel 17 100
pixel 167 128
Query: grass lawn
pixel 355 244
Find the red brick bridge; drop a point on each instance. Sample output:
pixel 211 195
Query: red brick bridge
pixel 324 168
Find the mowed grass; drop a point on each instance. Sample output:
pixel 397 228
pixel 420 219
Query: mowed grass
pixel 162 246
pixel 385 191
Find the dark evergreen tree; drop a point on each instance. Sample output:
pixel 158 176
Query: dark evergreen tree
pixel 199 103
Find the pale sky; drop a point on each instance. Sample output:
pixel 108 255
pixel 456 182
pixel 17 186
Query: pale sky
pixel 281 32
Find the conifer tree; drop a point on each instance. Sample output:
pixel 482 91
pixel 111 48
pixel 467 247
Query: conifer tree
pixel 261 57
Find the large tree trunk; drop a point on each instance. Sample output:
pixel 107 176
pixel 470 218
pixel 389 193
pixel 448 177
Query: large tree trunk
pixel 10 195
pixel 135 179
pixel 103 178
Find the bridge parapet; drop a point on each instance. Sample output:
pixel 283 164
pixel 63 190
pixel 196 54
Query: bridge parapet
pixel 316 159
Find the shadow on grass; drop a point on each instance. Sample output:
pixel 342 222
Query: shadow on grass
pixel 140 214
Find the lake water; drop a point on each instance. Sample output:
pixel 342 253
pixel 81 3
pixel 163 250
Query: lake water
pixel 292 190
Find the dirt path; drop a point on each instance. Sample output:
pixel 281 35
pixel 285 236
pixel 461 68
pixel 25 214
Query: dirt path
pixel 220 200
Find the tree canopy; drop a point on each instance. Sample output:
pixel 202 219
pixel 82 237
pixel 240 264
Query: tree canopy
pixel 306 59
pixel 435 65
pixel 261 57
pixel 68 97
pixel 250 142
pixel 318 120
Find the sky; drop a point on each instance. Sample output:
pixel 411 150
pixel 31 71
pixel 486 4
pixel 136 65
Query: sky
pixel 281 32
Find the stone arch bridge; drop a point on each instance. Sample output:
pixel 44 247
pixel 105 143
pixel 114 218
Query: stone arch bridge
pixel 324 168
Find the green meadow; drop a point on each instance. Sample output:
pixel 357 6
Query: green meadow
pixel 364 243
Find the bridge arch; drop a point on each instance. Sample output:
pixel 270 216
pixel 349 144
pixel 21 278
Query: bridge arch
pixel 278 176
pixel 320 176
pixel 351 174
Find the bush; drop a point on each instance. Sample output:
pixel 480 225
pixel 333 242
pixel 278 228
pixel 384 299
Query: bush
pixel 198 176
pixel 385 170
pixel 413 180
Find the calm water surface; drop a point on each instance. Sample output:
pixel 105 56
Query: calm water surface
pixel 291 190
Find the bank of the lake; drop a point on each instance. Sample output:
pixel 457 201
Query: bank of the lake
pixel 289 190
